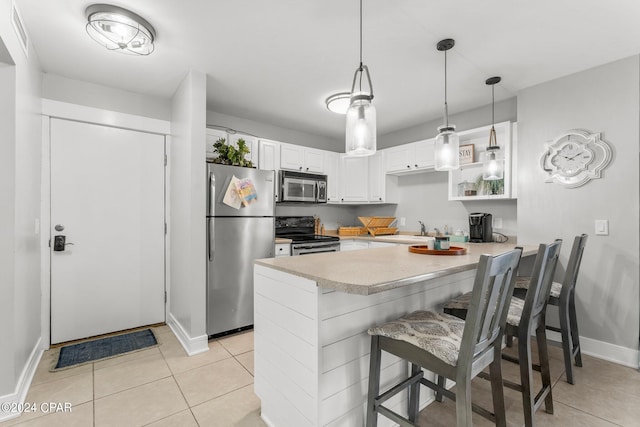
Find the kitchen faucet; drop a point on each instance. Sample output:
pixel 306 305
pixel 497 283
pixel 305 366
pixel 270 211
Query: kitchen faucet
pixel 423 231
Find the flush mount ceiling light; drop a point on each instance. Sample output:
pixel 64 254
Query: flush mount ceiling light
pixel 447 141
pixel 360 139
pixel 339 102
pixel 493 162
pixel 120 29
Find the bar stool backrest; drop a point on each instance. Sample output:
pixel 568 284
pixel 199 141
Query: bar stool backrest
pixel 491 296
pixel 544 268
pixel 573 266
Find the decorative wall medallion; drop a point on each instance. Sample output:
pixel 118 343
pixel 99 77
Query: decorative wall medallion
pixel 575 157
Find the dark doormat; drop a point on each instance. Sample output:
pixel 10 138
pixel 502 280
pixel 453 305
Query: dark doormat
pixel 102 348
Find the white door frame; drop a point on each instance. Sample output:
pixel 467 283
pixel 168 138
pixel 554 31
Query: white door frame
pixel 80 113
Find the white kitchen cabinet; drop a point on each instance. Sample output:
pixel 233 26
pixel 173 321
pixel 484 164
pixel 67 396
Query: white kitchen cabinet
pixel 304 159
pixel 353 245
pixel 252 145
pixel 356 244
pixel 377 178
pixel 354 174
pixel 332 170
pixel 471 173
pixel 283 249
pixel 410 158
pixel 213 135
pixel 268 155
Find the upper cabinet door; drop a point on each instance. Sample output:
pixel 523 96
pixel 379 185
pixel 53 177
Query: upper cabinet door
pixel 212 136
pixel 252 145
pixel 303 159
pixel 354 178
pixel 399 158
pixel 377 177
pixel 313 160
pixel 269 155
pixel 291 157
pixel 332 169
pixel 424 154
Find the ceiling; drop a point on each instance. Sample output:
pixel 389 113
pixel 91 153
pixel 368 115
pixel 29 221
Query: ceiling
pixel 275 61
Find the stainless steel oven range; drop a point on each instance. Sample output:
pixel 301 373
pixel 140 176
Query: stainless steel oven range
pixel 300 229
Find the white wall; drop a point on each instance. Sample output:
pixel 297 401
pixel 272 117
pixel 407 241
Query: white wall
pixel 604 99
pixel 98 96
pixel 20 156
pixel 187 206
pixel 7 234
pixel 277 133
pixel 504 111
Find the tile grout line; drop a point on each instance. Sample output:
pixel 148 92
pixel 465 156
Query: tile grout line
pixel 179 389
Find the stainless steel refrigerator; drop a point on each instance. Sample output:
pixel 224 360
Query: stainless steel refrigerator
pixel 236 236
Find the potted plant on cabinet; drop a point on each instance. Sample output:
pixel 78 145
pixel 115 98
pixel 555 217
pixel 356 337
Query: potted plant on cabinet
pixel 230 155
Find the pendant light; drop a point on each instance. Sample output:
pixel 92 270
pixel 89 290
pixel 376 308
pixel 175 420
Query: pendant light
pixel 360 138
pixel 120 29
pixel 447 141
pixel 493 161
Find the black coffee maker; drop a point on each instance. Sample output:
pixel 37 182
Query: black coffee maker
pixel 480 227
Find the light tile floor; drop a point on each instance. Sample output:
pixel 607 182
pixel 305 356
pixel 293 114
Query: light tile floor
pixel 163 387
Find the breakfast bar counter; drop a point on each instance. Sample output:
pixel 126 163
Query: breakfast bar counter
pixel 311 316
pixel 367 272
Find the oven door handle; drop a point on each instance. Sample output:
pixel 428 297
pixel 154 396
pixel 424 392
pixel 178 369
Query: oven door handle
pixel 329 245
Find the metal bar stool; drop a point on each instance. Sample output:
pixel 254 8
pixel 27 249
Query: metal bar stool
pixel 562 295
pixel 448 346
pixel 523 318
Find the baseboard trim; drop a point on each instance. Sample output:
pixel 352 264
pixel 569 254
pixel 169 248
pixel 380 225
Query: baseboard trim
pixel 603 350
pixel 24 382
pixel 192 346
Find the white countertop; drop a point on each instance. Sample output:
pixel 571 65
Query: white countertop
pixel 367 272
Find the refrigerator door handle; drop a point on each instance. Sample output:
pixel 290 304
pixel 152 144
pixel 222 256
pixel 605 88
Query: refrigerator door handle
pixel 211 238
pixel 212 193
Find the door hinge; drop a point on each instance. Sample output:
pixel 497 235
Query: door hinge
pixel 49 242
pixel 165 228
pixel 165 297
pixel 165 160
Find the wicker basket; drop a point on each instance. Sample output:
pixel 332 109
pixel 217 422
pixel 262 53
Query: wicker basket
pixel 351 231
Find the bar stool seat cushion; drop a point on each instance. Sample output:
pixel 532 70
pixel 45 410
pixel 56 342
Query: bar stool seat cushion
pixel 437 333
pixel 522 282
pixel 513 316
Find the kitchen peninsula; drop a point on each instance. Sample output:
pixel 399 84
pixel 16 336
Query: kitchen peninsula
pixel 311 319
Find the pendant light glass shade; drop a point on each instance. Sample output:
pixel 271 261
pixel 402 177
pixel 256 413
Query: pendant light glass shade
pixel 120 29
pixel 447 148
pixel 361 130
pixel 361 126
pixel 493 157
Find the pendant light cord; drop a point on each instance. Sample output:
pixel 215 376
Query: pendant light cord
pixel 493 105
pixel 360 46
pixel 446 108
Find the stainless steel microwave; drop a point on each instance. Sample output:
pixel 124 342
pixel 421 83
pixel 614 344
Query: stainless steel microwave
pixel 302 187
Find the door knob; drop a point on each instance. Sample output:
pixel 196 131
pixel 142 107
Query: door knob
pixel 59 227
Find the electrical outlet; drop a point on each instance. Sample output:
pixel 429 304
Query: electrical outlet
pixel 403 221
pixel 602 227
pixel 497 222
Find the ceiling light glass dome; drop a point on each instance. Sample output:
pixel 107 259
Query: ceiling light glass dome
pixel 120 29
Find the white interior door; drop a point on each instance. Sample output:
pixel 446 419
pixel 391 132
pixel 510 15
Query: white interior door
pixel 107 192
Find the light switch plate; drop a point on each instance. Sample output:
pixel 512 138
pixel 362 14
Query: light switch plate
pixel 602 227
pixel 497 222
pixel 403 221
